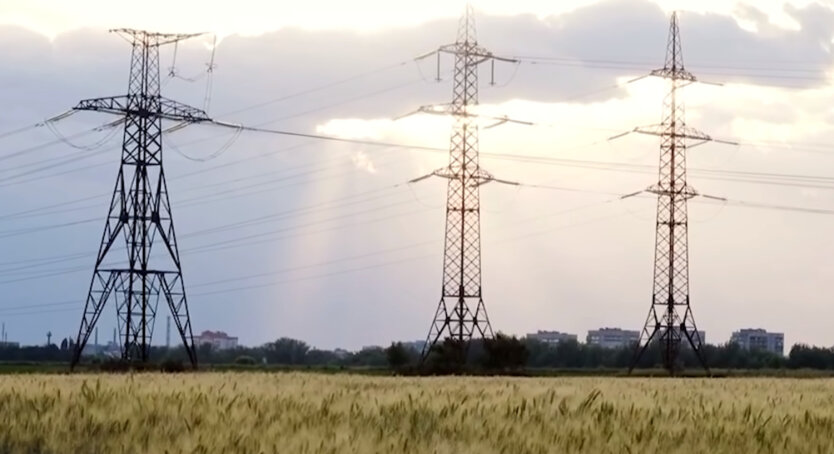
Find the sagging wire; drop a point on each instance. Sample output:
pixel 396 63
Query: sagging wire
pixel 19 130
pixel 770 206
pixel 436 80
pixel 210 66
pixel 416 198
pixel 50 124
pixel 214 155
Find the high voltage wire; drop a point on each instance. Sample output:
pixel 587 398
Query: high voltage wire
pixel 313 136
pixel 363 268
pixel 27 150
pixel 373 143
pixel 343 201
pixel 811 181
pixel 316 109
pixel 234 243
pixel 284 213
pixel 24 213
pixel 571 61
pixel 654 61
pixel 80 169
pixel 47 210
pixel 735 71
pixel 254 106
pixel 318 88
pixel 445 150
pixel 237 242
pixel 802 182
pixel 752 205
pixel 201 199
pixel 231 244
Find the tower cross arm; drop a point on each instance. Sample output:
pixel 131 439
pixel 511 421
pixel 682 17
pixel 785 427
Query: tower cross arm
pixel 682 132
pixel 479 178
pixel 478 52
pixel 451 109
pixel 167 109
pixel 676 74
pixel 685 191
pixel 152 38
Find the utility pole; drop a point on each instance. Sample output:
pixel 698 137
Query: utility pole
pixel 137 276
pixel 461 312
pixel 670 318
pixel 168 333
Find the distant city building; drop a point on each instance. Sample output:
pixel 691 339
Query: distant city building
pixel 92 349
pixel 759 339
pixel 111 349
pixel 552 337
pixel 612 337
pixel 341 353
pixel 217 339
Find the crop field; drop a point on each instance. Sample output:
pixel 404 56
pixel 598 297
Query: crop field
pixel 316 413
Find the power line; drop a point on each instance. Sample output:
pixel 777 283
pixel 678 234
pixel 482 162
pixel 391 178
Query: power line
pixel 19 130
pixel 719 70
pixel 410 259
pixel 317 88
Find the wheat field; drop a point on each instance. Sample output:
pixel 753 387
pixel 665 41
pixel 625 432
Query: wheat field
pixel 317 413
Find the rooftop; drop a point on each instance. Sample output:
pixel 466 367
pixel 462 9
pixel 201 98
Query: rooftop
pixel 215 335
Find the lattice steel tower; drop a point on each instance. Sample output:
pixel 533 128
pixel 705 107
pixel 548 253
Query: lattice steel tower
pixel 670 318
pixel 135 275
pixel 461 312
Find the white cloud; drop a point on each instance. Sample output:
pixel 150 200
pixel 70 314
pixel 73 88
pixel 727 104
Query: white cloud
pixel 251 17
pixel 363 162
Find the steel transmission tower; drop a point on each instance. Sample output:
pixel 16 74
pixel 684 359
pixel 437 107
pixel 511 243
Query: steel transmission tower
pixel 670 320
pixel 129 270
pixel 461 313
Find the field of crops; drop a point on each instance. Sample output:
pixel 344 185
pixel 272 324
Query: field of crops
pixel 312 413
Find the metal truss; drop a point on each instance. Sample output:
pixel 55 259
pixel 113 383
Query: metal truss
pixel 138 264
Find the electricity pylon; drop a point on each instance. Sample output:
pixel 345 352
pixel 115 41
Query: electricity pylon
pixel 136 276
pixel 670 318
pixel 461 313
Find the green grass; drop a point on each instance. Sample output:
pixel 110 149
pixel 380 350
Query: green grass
pixel 340 413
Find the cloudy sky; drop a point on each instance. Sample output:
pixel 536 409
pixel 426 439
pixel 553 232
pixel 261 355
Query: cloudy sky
pixel 285 236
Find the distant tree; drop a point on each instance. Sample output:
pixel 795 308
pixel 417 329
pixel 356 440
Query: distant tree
pixel 447 357
pixel 316 357
pixel 569 354
pixel 245 360
pixel 804 356
pixel 205 352
pixel 368 356
pixel 64 345
pixel 286 351
pixel 172 366
pixel 398 355
pixel 504 353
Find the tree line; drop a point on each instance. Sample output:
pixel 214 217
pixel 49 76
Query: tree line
pixel 503 353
